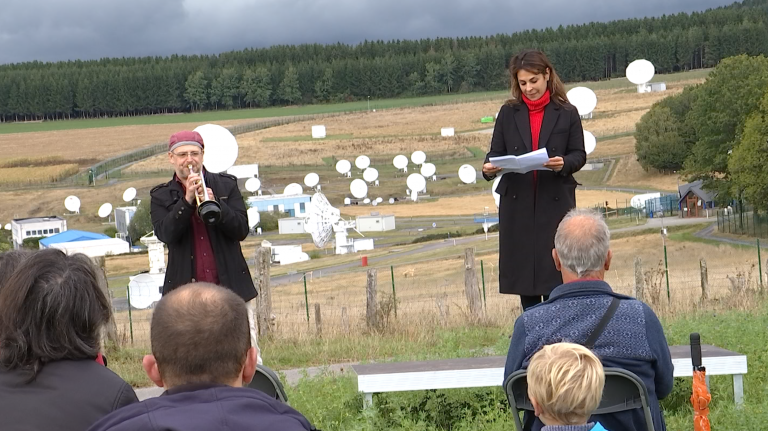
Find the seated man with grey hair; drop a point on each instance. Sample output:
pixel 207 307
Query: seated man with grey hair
pixel 632 338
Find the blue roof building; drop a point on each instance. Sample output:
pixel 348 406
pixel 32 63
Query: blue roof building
pixel 70 236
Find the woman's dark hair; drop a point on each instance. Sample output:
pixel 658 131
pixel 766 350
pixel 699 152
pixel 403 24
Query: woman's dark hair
pixel 535 62
pixel 52 309
pixel 9 261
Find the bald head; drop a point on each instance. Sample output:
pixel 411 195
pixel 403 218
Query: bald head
pixel 582 244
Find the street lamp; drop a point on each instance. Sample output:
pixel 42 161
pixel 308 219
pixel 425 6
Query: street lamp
pixel 369 103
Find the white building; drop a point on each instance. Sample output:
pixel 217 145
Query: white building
pixel 294 205
pixel 35 227
pixel 94 247
pixel 123 216
pixel 289 225
pixel 375 223
pixel 286 254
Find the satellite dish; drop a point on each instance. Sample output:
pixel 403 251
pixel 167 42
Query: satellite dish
pixel 105 210
pixel 418 157
pixel 467 174
pixel 379 200
pixel 640 72
pixel 400 162
pixel 129 194
pixel 428 169
pixel 414 195
pixel 366 201
pixel 374 203
pixel 72 204
pixel 311 179
pixel 253 217
pixel 391 200
pixel 496 196
pixel 293 189
pixel 252 184
pixel 583 99
pixel 144 291
pixel 416 182
pixel 347 201
pixel 8 226
pixel 343 166
pixel 362 162
pixel 370 175
pixel 589 142
pixel 220 147
pixel 320 219
pixel 359 188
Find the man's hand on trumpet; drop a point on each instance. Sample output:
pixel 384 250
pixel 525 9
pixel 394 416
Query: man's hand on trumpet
pixel 193 185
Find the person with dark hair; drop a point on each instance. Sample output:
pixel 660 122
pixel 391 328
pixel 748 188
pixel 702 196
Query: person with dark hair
pixel 53 311
pixel 532 204
pixel 8 263
pixel 202 356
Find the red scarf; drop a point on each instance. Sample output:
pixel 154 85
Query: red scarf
pixel 536 117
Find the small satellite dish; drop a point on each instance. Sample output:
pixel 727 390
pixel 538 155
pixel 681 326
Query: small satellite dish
pixel 467 174
pixel 105 210
pixel 370 175
pixel 343 166
pixel 416 182
pixel 358 188
pixel 428 169
pixel 374 203
pixel 144 291
pixel 379 200
pixel 72 204
pixel 496 196
pixel 221 147
pixel 391 200
pixel 640 72
pixel 252 184
pixel 253 217
pixel 347 201
pixel 8 226
pixel 362 162
pixel 311 179
pixel 400 162
pixel 366 201
pixel 129 194
pixel 589 142
pixel 583 99
pixel 293 189
pixel 418 157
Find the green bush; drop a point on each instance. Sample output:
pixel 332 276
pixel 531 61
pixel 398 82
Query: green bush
pixel 141 222
pixel 110 231
pixel 269 220
pixel 32 243
pixel 434 236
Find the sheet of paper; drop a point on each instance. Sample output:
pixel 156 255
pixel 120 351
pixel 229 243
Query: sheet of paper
pixel 528 162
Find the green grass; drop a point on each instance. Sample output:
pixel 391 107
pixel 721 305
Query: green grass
pixel 477 152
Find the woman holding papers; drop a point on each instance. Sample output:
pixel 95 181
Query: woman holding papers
pixel 537 118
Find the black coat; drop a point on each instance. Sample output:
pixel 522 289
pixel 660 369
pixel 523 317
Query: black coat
pixel 171 219
pixel 528 220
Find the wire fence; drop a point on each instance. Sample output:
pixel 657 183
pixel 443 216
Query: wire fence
pixel 745 221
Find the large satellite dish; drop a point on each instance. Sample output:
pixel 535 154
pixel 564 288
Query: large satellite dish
pixel 362 162
pixel 400 162
pixel 220 147
pixel 129 194
pixel 428 169
pixel 640 72
pixel 358 188
pixel 72 204
pixel 252 184
pixel 144 291
pixel 320 219
pixel 343 166
pixel 253 217
pixel 416 182
pixel 467 174
pixel 589 142
pixel 370 175
pixel 418 157
pixel 496 196
pixel 293 189
pixel 583 99
pixel 105 210
pixel 311 179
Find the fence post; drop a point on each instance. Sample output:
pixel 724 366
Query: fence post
pixel 109 332
pixel 760 265
pixel 344 320
pixel 263 259
pixel 471 289
pixel 394 297
pixel 704 280
pixel 306 296
pixel 130 317
pixel 371 307
pixel 639 279
pixel 318 320
pixel 482 277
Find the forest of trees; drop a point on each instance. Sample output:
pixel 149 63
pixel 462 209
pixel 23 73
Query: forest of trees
pixel 302 74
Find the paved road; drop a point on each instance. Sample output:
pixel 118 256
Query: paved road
pixel 656 223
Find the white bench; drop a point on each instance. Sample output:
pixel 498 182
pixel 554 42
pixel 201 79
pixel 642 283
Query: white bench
pixel 489 371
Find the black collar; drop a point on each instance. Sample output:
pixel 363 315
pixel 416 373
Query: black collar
pixel 192 387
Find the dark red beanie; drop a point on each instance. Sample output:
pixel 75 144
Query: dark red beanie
pixel 185 137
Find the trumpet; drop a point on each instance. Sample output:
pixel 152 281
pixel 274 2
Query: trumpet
pixel 208 209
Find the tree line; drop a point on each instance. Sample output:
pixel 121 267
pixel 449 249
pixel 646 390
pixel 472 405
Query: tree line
pixel 314 73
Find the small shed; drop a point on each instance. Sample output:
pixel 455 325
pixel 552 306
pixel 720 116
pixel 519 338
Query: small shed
pixel 290 225
pixel 375 223
pixel 694 200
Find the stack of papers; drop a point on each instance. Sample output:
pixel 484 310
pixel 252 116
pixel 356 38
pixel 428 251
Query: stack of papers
pixel 533 161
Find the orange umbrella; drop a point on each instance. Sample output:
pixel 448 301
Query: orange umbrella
pixel 701 397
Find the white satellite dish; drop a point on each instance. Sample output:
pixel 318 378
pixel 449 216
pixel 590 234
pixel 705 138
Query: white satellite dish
pixel 467 174
pixel 589 142
pixel 374 203
pixel 320 219
pixel 391 200
pixel 129 194
pixel 640 72
pixel 343 166
pixel 400 162
pixel 105 210
pixel 220 145
pixel 583 99
pixel 72 204
pixel 358 188
pixel 347 201
pixel 293 189
pixel 8 226
pixel 311 179
pixel 416 182
pixel 379 200
pixel 144 291
pixel 253 217
pixel 428 169
pixel 362 162
pixel 366 201
pixel 418 157
pixel 496 196
pixel 370 175
pixel 252 184
pixel 414 195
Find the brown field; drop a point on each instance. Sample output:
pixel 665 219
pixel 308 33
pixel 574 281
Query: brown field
pixel 624 146
pixel 37 174
pixel 629 173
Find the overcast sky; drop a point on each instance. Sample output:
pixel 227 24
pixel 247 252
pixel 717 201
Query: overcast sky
pixel 52 30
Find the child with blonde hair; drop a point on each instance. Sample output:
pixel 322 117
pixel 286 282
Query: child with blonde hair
pixel 565 385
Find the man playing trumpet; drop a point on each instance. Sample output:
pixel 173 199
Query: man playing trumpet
pixel 198 251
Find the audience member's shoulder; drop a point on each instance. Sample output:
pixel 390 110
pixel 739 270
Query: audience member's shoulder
pixel 159 188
